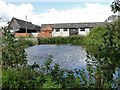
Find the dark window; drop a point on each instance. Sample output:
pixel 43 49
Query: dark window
pixel 57 30
pixel 65 29
pixel 73 31
pixel 82 29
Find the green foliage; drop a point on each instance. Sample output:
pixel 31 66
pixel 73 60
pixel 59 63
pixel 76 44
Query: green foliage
pixel 110 51
pixel 11 54
pixel 74 40
pixel 105 51
pixel 27 78
pixel 26 43
pixel 115 6
pixel 95 36
pixel 50 83
pixel 94 39
pixel 102 61
pixel 22 79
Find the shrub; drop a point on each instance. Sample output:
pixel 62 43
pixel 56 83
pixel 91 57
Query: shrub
pixel 74 40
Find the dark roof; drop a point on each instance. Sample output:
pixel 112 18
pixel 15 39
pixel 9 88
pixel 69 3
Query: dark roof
pixel 73 25
pixel 22 24
pixel 37 27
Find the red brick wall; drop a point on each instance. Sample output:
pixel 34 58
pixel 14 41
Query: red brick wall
pixel 44 34
pixel 21 35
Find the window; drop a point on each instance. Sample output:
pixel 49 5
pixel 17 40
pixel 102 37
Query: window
pixel 57 30
pixel 65 29
pixel 73 31
pixel 82 29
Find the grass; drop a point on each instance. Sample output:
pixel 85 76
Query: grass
pixel 74 40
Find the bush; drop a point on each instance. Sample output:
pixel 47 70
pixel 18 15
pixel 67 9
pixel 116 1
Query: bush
pixel 94 39
pixel 47 77
pixel 74 40
pixel 21 79
pixel 26 43
pixel 103 44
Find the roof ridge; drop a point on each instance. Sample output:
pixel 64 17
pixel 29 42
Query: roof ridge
pixel 21 20
pixel 73 23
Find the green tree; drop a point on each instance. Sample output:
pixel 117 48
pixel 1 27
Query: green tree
pixel 13 53
pixel 109 51
pixel 106 53
pixel 94 39
pixel 115 6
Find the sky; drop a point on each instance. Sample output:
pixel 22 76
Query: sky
pixel 55 11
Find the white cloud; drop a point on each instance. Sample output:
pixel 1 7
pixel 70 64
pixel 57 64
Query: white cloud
pixel 7 11
pixel 93 12
pixel 58 0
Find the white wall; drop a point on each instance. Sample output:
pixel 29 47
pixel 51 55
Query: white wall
pixel 34 34
pixel 66 33
pixel 60 33
pixel 86 32
pixel 55 34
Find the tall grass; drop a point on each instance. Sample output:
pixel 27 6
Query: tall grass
pixel 27 42
pixel 74 40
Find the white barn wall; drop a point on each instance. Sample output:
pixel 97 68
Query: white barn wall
pixel 55 34
pixel 60 33
pixel 86 32
pixel 65 33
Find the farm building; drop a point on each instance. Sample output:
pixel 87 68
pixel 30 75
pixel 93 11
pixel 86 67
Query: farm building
pixel 23 28
pixel 67 29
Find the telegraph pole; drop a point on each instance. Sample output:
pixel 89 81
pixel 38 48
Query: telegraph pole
pixel 26 23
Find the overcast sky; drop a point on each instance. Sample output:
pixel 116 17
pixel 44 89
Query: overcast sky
pixel 39 12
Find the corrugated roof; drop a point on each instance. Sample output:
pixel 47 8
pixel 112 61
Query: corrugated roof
pixel 73 25
pixel 23 23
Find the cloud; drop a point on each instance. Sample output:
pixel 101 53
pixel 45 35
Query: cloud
pixel 92 12
pixel 7 11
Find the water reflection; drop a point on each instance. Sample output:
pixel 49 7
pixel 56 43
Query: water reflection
pixel 67 56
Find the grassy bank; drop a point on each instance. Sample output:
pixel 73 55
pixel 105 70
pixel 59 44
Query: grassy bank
pixel 27 42
pixel 73 40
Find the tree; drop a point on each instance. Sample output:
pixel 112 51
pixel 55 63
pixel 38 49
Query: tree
pixel 105 43
pixel 109 52
pixel 13 53
pixel 115 6
pixel 94 39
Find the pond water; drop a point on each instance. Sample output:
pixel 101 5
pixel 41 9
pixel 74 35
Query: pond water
pixel 67 56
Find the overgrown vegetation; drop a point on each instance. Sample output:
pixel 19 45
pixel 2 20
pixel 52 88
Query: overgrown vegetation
pixel 94 39
pixel 104 47
pixel 103 60
pixel 52 77
pixel 27 42
pixel 17 74
pixel 73 40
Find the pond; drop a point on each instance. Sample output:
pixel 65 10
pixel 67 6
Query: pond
pixel 67 56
